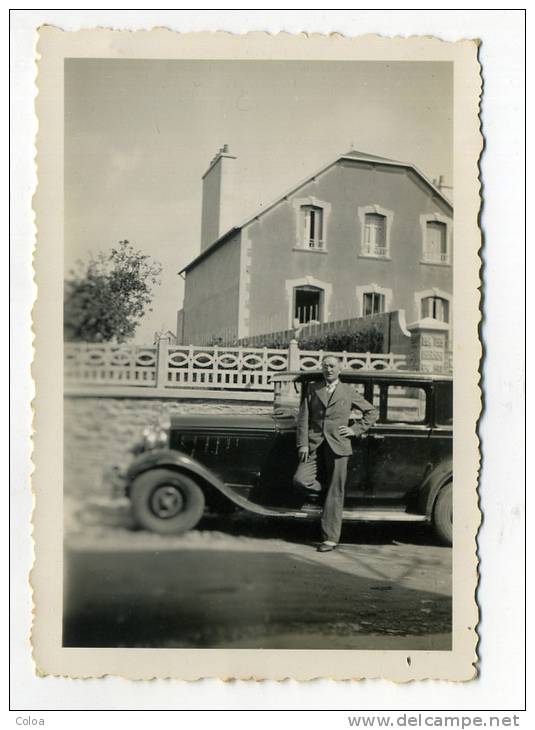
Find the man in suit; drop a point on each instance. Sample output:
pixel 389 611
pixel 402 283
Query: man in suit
pixel 324 443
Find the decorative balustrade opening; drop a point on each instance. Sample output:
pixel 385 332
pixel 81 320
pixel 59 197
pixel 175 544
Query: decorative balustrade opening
pixel 235 368
pixel 311 360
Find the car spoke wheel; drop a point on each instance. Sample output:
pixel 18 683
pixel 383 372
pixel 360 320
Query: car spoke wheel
pixel 443 514
pixel 166 501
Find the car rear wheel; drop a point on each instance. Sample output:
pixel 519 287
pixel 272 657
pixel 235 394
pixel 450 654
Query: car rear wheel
pixel 166 501
pixel 443 514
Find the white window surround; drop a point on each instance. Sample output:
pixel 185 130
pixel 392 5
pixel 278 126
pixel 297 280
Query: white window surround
pixel 436 217
pixel 378 210
pixel 373 289
pixel 298 204
pixel 419 295
pixel 292 284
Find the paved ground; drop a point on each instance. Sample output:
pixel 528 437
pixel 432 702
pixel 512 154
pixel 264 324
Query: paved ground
pixel 253 583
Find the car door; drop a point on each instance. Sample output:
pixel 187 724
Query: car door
pixel 399 444
pixel 357 471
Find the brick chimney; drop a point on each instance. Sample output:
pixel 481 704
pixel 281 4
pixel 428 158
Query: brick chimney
pixel 217 197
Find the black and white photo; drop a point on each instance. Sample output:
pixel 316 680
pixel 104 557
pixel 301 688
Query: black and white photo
pixel 266 319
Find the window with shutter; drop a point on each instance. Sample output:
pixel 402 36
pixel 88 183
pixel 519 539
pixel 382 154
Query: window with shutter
pixel 436 243
pixel 374 240
pixel 436 308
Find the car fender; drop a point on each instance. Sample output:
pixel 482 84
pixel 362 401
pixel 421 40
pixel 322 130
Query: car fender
pixel 203 476
pixel 431 486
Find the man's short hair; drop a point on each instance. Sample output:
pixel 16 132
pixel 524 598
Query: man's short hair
pixel 333 357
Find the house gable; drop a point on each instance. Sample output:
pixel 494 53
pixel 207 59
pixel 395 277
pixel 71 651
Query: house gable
pixel 354 159
pixel 346 265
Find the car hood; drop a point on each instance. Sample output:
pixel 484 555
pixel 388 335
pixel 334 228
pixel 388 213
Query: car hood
pixel 222 422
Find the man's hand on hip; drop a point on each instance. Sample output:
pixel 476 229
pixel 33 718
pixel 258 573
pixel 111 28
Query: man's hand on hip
pixel 302 452
pixel 346 431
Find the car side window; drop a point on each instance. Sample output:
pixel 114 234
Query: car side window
pixel 405 404
pixel 379 401
pixel 356 414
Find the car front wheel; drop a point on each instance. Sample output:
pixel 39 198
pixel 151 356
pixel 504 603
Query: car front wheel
pixel 443 514
pixel 166 501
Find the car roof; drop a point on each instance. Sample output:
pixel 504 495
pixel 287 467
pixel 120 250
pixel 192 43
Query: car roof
pixel 364 374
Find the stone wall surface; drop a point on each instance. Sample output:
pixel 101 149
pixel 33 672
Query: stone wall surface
pixel 98 433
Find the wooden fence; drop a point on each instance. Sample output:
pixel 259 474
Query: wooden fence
pixel 190 366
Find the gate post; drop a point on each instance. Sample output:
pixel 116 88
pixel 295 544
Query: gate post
pixel 294 362
pixel 429 341
pixel 161 361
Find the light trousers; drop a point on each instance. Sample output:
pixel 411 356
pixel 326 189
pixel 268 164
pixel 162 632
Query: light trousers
pixel 332 471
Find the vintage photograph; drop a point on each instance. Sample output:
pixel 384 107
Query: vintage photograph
pixel 258 362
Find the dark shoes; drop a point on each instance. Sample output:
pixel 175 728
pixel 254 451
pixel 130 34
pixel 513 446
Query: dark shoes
pixel 325 547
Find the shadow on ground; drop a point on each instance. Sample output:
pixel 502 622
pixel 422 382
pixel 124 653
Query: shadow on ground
pixel 224 598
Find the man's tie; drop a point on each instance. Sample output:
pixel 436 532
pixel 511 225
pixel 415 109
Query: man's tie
pixel 330 388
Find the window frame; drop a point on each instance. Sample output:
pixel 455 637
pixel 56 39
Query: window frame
pixel 363 247
pixel 373 248
pixel 380 297
pixel 312 218
pixel 302 241
pixel 382 408
pixel 419 296
pixel 320 305
pixel 435 298
pixel 291 284
pixel 429 258
pixel 360 291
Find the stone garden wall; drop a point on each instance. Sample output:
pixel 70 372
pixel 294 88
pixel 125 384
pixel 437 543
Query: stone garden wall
pixel 99 431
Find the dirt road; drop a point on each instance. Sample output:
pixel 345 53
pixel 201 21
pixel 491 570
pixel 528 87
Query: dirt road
pixel 249 583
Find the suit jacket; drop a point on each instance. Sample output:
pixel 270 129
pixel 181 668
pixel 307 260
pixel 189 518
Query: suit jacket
pixel 320 416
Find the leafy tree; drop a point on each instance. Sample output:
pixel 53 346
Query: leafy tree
pixel 106 298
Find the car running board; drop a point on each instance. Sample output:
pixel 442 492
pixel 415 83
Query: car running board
pixel 313 510
pixel 368 515
pixel 354 515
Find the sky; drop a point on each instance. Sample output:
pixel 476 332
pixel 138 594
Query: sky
pixel 140 134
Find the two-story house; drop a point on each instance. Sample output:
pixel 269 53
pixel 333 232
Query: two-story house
pixel 360 236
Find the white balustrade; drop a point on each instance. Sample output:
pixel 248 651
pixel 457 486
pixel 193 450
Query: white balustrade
pixel 311 360
pixel 236 368
pixel 436 257
pixel 373 249
pixel 190 366
pixel 110 364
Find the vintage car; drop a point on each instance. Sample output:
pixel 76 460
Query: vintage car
pixel 401 469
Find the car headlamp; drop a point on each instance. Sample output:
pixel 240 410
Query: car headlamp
pixel 164 420
pixel 156 435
